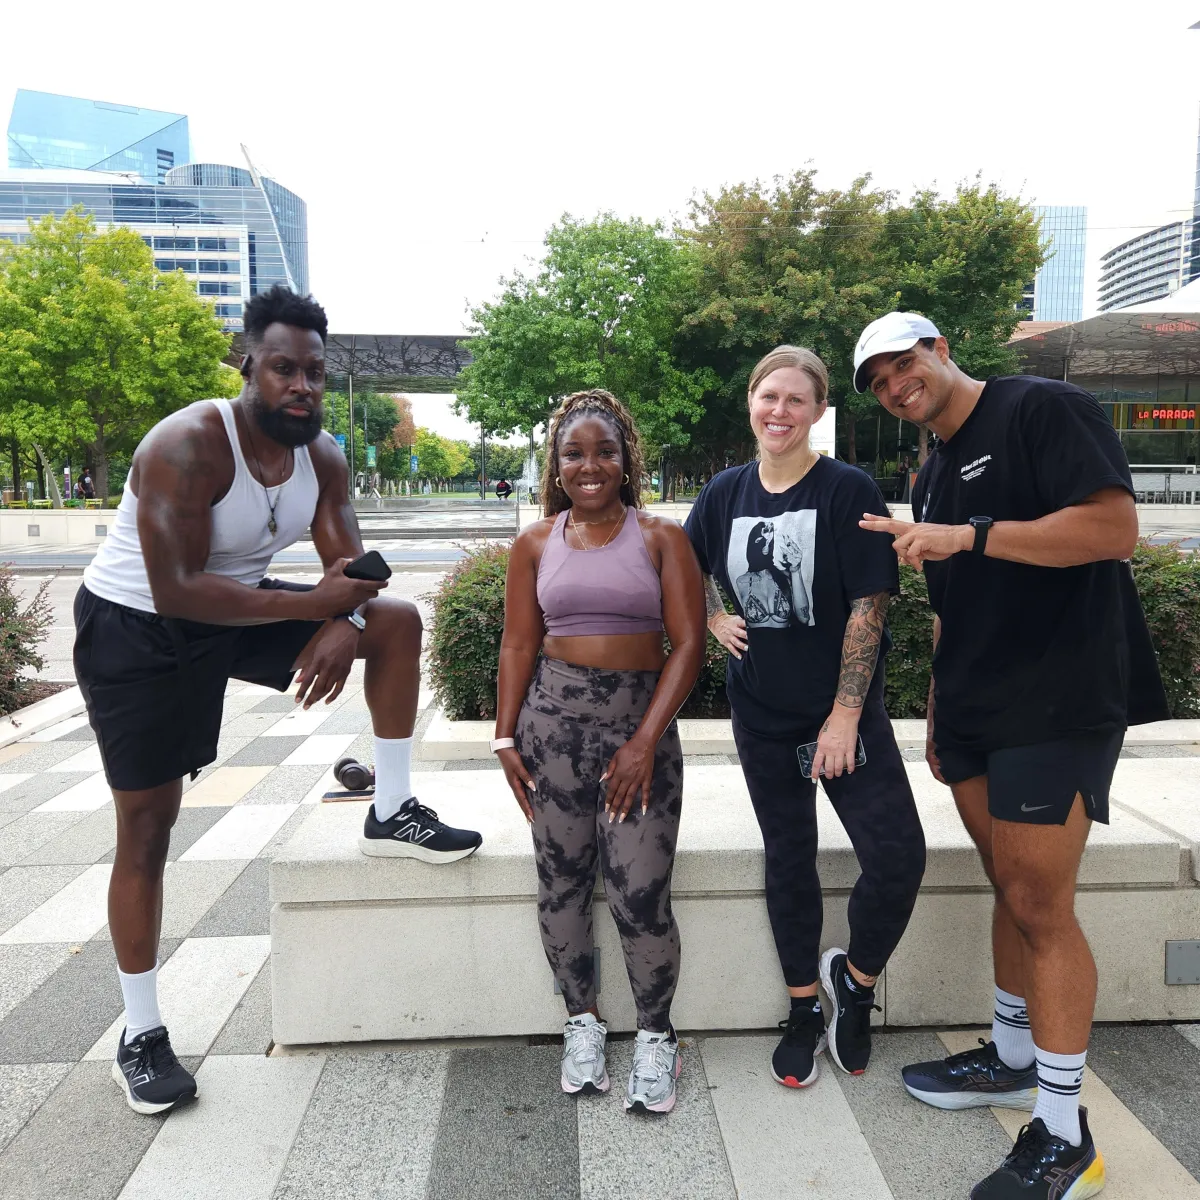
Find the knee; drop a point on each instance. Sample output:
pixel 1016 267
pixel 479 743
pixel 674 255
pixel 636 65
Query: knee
pixel 400 618
pixel 1036 910
pixel 144 837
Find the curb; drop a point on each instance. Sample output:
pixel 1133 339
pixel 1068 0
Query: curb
pixel 33 718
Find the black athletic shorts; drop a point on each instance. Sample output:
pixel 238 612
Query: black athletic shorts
pixel 1037 784
pixel 155 688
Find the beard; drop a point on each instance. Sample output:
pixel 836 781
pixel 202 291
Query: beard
pixel 281 427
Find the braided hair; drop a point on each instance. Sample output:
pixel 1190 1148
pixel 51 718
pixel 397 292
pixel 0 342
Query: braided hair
pixel 598 403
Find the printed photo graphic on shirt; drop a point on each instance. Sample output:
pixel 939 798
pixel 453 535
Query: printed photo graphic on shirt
pixel 770 563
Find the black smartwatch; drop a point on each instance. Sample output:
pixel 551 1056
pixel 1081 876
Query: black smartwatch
pixel 981 525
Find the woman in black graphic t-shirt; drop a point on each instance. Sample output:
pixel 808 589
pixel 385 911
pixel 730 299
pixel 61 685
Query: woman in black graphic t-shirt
pixel 810 589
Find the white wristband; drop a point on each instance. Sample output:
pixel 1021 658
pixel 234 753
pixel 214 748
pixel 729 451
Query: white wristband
pixel 502 744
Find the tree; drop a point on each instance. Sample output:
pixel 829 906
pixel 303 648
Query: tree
pixel 795 264
pixel 602 311
pixel 96 346
pixel 388 419
pixel 438 458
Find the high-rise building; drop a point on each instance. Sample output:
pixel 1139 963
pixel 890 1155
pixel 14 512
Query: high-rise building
pixel 1146 267
pixel 1056 291
pixel 233 233
pixel 47 131
pixel 1193 265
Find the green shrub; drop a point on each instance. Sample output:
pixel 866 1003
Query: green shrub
pixel 1168 582
pixel 464 643
pixel 469 620
pixel 910 619
pixel 22 631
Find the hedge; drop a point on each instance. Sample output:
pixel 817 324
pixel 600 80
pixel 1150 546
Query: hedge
pixel 469 620
pixel 23 628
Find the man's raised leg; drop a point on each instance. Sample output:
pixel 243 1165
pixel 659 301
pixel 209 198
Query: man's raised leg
pixel 396 825
pixel 1002 1072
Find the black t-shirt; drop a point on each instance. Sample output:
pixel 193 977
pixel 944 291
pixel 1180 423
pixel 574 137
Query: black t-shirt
pixel 791 562
pixel 1028 654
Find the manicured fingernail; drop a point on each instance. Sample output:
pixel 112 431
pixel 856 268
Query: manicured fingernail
pixel 621 819
pixel 643 810
pixel 610 817
pixel 532 785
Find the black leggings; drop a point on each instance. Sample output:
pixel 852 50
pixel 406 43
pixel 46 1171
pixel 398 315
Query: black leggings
pixel 875 805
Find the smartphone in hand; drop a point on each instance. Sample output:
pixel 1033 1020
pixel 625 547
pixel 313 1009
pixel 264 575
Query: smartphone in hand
pixel 806 753
pixel 369 566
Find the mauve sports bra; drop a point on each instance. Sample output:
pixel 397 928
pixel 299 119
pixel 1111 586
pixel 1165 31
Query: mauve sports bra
pixel 613 589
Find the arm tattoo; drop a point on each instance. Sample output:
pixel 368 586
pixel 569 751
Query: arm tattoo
pixel 713 603
pixel 860 648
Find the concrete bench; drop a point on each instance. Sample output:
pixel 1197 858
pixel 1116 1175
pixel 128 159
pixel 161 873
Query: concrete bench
pixel 386 949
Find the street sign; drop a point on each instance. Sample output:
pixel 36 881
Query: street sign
pixel 412 465
pixel 340 438
pixel 370 458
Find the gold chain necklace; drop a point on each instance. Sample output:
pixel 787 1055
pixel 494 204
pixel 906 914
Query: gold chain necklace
pixel 584 541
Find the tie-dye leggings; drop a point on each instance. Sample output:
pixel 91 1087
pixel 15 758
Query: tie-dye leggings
pixel 572 722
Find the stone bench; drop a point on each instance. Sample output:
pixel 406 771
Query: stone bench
pixel 383 949
pixel 460 740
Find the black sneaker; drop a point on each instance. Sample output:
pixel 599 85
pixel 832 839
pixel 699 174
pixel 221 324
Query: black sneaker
pixel 850 1020
pixel 150 1075
pixel 1043 1167
pixel 794 1063
pixel 416 832
pixel 972 1079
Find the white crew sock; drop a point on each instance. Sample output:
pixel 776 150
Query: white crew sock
pixel 392 787
pixel 1059 1080
pixel 141 1002
pixel 1011 1032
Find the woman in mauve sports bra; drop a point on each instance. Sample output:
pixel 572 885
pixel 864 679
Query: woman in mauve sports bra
pixel 586 732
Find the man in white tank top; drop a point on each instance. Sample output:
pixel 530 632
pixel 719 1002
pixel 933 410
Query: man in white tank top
pixel 176 603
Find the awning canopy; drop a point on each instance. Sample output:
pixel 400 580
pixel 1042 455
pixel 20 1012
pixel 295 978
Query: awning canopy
pixel 1118 343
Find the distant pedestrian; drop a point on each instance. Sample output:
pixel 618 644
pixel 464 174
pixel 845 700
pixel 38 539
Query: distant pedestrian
pixel 503 489
pixel 1025 515
pixel 87 487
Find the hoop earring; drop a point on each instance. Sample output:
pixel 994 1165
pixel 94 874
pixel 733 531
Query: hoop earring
pixel 626 478
pixel 558 482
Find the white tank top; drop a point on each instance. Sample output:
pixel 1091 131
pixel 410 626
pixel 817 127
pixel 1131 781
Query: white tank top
pixel 241 547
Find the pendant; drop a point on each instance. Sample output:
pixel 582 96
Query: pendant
pixel 271 526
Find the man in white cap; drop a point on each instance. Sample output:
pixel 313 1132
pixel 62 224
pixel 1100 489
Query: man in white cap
pixel 1042 658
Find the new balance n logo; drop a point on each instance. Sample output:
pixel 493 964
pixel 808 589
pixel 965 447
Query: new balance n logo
pixel 411 831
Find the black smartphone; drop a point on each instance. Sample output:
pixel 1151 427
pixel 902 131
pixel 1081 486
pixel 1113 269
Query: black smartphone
pixel 805 756
pixel 370 566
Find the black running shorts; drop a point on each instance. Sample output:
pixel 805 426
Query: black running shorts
pixel 155 688
pixel 1037 784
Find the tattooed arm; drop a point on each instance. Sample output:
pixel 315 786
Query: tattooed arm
pixel 838 740
pixel 728 628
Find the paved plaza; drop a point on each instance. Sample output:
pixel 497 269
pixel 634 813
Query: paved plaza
pixel 437 1120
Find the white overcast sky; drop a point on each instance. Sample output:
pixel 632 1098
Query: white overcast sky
pixel 434 143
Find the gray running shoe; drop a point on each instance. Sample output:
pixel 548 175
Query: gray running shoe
pixel 583 1066
pixel 656 1066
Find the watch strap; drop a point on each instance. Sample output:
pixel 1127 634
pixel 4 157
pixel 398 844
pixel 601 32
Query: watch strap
pixel 503 744
pixel 982 526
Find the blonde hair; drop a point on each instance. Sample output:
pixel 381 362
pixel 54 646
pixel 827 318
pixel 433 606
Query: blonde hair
pixel 599 403
pixel 792 356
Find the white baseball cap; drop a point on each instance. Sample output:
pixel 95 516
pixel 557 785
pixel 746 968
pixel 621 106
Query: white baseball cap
pixel 887 335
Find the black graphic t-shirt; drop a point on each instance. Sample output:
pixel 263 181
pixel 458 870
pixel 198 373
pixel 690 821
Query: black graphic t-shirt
pixel 792 562
pixel 1029 654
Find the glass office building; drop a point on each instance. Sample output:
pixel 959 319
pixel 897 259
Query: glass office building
pixel 1056 292
pixel 47 131
pixel 232 233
